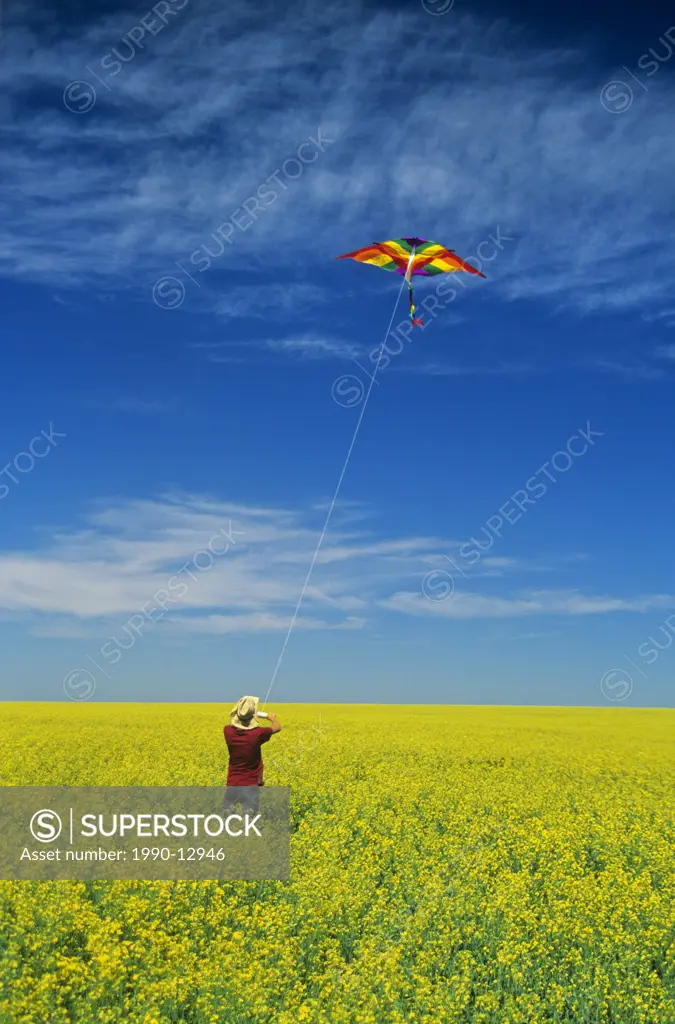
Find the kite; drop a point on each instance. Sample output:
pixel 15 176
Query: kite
pixel 410 256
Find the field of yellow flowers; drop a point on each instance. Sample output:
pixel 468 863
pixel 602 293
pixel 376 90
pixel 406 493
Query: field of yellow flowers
pixel 460 865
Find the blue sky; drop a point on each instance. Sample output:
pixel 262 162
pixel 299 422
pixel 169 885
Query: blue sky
pixel 194 414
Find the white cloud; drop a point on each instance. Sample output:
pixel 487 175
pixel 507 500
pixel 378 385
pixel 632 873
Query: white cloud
pixel 150 558
pixel 307 347
pixel 261 622
pixel 450 370
pixel 463 605
pixel 290 301
pixel 628 371
pixel 490 126
pixel 128 552
pixel 312 346
pixel 665 316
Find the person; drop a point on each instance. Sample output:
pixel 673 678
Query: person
pixel 244 738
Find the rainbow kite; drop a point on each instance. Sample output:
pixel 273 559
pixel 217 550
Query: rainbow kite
pixel 410 256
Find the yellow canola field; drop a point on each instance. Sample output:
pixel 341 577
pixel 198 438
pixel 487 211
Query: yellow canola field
pixel 460 865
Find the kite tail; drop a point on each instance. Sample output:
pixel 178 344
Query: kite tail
pixel 415 320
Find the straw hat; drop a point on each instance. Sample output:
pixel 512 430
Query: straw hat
pixel 243 716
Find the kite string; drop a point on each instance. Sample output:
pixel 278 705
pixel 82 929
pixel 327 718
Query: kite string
pixel 335 496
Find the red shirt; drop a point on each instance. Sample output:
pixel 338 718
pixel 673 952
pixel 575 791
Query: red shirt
pixel 246 764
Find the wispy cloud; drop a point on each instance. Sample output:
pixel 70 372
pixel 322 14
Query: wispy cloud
pixel 464 605
pixel 82 582
pixel 114 196
pixel 452 370
pixel 306 347
pixel 261 622
pixel 634 371
pixel 268 300
pixel 662 316
pixel 126 552
pixel 313 346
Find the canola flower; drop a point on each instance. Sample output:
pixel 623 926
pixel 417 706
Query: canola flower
pixel 516 868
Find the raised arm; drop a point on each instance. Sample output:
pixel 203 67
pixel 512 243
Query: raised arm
pixel 276 726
